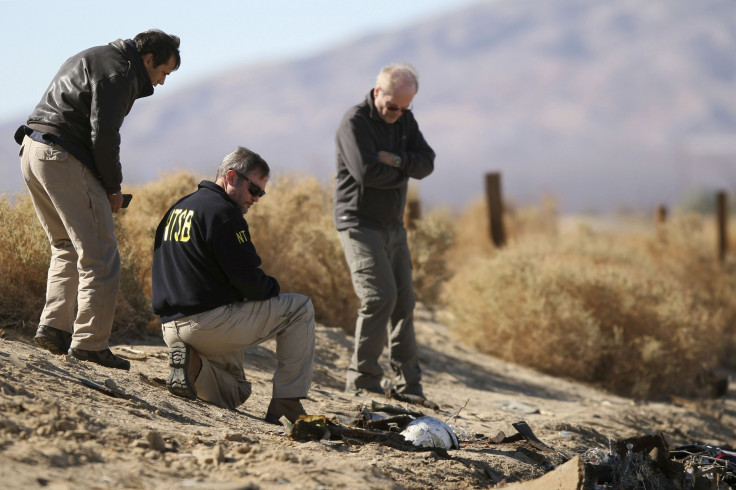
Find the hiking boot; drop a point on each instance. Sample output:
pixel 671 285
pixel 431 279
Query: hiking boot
pixel 289 407
pixel 102 357
pixel 52 339
pixel 184 367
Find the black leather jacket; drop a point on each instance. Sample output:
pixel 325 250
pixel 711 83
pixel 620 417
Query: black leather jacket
pixel 87 101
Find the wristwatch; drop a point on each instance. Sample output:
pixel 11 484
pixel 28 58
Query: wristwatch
pixel 396 162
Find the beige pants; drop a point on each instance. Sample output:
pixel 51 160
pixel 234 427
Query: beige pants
pixel 84 273
pixel 221 336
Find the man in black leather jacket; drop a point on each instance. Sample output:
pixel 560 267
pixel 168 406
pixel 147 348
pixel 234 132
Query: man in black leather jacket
pixel 70 159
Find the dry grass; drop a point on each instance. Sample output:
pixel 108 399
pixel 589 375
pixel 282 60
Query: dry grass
pixel 430 239
pixel 637 314
pixel 294 235
pixel 24 261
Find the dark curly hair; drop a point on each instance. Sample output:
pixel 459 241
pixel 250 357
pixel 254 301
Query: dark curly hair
pixel 161 45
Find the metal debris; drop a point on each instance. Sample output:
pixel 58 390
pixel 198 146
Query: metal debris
pixel 430 432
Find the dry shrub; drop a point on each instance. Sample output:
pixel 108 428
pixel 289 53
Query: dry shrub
pixel 430 239
pixel 139 221
pixel 24 262
pixel 524 221
pixel 472 236
pixel 632 314
pixel 293 231
pixel 133 307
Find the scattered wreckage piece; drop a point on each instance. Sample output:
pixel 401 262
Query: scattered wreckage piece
pixel 650 461
pixel 707 465
pixel 391 393
pixel 391 425
pixel 415 399
pixel 319 427
pixel 636 462
pixel 523 428
pixel 417 428
pixel 430 432
pixel 384 407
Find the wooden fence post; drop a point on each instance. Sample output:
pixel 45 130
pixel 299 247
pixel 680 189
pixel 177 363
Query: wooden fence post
pixel 413 214
pixel 495 208
pixel 722 217
pixel 661 218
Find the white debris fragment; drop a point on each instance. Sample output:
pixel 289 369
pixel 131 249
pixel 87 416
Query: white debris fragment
pixel 430 432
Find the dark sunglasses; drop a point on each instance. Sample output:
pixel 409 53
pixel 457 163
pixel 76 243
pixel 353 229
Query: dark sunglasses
pixel 254 189
pixel 395 108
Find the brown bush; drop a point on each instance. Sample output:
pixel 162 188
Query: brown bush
pixel 429 242
pixel 24 262
pixel 292 229
pixel 630 313
pixel 137 224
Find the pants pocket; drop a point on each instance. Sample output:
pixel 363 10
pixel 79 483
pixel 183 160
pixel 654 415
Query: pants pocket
pixel 51 154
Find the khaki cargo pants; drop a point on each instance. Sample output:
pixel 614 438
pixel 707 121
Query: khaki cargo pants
pixel 84 273
pixel 221 335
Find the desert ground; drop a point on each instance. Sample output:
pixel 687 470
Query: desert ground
pixel 66 424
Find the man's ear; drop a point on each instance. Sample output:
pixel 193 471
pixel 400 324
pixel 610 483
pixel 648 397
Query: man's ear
pixel 230 177
pixel 148 59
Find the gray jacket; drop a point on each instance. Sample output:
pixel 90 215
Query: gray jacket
pixel 367 192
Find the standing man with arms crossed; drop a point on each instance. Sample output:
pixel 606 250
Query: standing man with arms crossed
pixel 70 158
pixel 379 148
pixel 215 301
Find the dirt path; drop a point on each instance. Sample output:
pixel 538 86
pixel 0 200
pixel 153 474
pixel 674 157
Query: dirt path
pixel 124 430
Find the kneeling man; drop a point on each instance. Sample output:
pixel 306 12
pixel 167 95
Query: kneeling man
pixel 215 301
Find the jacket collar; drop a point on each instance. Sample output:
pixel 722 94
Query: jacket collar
pixel 213 186
pixel 371 102
pixel 127 47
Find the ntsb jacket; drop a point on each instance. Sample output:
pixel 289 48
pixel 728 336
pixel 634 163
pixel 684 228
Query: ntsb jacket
pixel 367 192
pixel 203 257
pixel 85 104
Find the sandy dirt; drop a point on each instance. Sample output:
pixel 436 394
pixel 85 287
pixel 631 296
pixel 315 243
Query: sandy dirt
pixel 70 424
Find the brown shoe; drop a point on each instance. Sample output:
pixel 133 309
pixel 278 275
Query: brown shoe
pixel 53 340
pixel 102 357
pixel 184 367
pixel 291 408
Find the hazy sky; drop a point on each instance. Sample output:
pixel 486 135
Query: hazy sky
pixel 37 36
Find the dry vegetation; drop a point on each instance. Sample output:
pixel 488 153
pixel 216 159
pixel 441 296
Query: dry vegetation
pixel 642 314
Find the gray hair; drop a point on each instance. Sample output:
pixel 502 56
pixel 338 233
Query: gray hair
pixel 243 161
pixel 397 74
